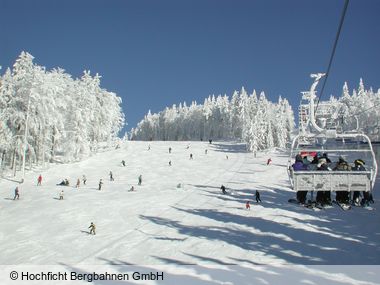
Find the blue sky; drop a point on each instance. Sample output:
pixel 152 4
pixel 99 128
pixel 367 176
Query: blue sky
pixel 158 53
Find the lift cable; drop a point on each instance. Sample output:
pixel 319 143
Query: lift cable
pixel 333 51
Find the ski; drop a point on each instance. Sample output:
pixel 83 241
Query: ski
pixel 312 205
pixel 344 207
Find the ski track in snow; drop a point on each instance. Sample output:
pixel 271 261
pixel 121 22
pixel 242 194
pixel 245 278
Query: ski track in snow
pixel 165 212
pixel 161 224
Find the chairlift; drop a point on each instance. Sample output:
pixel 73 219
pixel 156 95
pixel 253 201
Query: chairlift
pixel 317 139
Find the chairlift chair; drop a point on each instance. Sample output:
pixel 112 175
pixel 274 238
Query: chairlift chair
pixel 313 138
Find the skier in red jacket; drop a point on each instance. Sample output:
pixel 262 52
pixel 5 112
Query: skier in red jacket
pixel 39 180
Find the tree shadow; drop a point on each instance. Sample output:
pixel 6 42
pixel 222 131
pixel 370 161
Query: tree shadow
pixel 170 239
pixel 12 180
pixel 209 259
pixel 320 243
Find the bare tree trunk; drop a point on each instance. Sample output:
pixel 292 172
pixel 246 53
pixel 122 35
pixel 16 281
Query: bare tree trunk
pixel 14 163
pixel 52 146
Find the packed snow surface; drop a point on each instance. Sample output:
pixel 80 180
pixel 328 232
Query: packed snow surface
pixel 160 223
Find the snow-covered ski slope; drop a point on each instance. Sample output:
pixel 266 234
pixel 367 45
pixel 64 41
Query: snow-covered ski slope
pixel 160 223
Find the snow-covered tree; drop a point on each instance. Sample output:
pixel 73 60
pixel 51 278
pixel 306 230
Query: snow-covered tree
pixel 63 116
pixel 244 117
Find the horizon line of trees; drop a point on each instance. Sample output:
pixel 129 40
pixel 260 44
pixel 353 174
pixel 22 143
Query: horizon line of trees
pixel 253 119
pixel 66 118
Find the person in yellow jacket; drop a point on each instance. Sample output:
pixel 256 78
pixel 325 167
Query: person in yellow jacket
pixel 92 228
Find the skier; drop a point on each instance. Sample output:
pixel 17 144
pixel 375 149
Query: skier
pixel 123 162
pixel 61 195
pixel 247 206
pixel 227 157
pixel 92 228
pixel 269 161
pixel 170 150
pixel 324 155
pixel 254 154
pixel 84 179
pixel 100 184
pixel 67 183
pixel 191 156
pixel 148 147
pixel 78 183
pixel 257 195
pixel 315 159
pixel 223 189
pixel 170 163
pixel 359 166
pixel 17 194
pixel 210 141
pixel 111 176
pixel 367 196
pixel 39 180
pixel 132 189
pixel 323 197
pixel 342 196
pixel 140 179
pixel 205 151
pixel 299 166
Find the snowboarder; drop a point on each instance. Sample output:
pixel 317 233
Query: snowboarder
pixel 100 184
pixel 269 161
pixel 170 150
pixel 123 162
pixel 140 179
pixel 111 176
pixel 17 194
pixel 191 156
pixel 257 195
pixel 92 228
pixel 84 179
pixel 39 180
pixel 247 206
pixel 61 195
pixel 223 189
pixel 170 163
pixel 78 183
